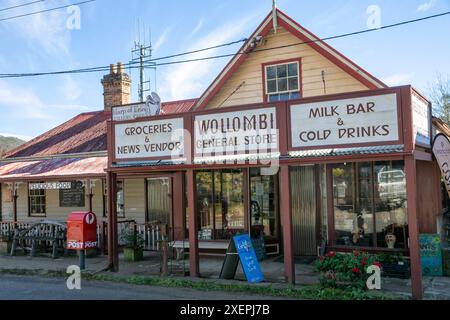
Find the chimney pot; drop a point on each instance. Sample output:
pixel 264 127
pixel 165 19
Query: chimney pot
pixel 120 68
pixel 116 86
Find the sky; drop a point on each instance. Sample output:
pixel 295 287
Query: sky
pixel 107 29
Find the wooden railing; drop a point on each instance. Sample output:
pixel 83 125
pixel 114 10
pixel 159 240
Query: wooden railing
pixel 7 229
pixel 150 232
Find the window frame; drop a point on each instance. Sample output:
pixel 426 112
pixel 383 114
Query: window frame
pixel 44 196
pixel 105 198
pixel 264 67
pixel 331 212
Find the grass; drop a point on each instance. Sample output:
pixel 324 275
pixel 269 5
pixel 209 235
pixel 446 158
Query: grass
pixel 311 292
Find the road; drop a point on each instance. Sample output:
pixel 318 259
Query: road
pixel 14 287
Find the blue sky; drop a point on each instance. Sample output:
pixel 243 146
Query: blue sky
pixel 411 54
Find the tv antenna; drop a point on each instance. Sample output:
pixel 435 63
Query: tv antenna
pixel 141 54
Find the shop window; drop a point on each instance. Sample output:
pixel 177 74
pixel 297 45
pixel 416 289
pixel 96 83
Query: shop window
pixel 390 197
pixel 36 203
pixel 120 199
pixel 282 81
pixel 262 204
pixel 220 205
pixel 369 201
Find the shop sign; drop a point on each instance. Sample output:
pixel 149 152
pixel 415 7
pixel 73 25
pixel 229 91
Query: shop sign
pixel 441 150
pixel 150 107
pixel 162 138
pixel 430 254
pixel 50 186
pixel 421 121
pixel 241 132
pixel 241 249
pixel 353 121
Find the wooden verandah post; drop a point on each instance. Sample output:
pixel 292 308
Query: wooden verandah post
pixel 15 196
pixel 413 227
pixel 286 220
pixel 193 232
pixel 113 253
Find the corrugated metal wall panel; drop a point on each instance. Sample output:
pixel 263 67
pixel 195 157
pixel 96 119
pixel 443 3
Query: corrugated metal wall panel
pixel 304 210
pixel 158 199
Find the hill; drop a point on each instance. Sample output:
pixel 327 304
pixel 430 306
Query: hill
pixel 8 143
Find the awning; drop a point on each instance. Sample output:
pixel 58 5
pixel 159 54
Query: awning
pixel 347 151
pixel 53 168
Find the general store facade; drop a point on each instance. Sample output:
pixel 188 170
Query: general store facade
pixel 292 140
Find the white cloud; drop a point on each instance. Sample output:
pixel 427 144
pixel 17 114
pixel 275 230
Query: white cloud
pixel 70 89
pixel 161 39
pixel 197 27
pixel 398 79
pixel 426 6
pixel 190 79
pixel 22 100
pixel 46 33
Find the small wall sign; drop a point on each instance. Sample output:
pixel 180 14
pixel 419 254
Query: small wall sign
pixel 430 254
pixel 441 150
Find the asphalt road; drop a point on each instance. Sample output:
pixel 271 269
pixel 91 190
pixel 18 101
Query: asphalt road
pixel 38 288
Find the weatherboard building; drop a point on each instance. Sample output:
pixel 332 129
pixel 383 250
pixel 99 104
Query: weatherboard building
pixel 292 140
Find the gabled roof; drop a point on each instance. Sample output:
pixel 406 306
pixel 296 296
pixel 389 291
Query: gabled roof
pixel 303 35
pixel 85 133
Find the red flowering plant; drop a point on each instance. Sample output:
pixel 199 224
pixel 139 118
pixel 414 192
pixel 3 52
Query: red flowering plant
pixel 345 269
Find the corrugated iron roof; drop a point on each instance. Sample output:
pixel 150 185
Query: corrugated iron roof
pixel 237 157
pixel 94 166
pixel 85 132
pixel 177 106
pixel 346 151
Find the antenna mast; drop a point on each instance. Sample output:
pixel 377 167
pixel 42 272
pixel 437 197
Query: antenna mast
pixel 141 54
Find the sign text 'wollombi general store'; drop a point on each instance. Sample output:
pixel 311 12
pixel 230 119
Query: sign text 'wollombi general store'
pixel 246 131
pixel 335 123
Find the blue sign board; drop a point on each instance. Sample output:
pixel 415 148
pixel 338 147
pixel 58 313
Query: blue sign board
pixel 248 258
pixel 430 254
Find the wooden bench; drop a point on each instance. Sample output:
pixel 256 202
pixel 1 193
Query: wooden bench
pixel 181 245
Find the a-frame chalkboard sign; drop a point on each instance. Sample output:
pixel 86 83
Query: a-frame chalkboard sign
pixel 241 250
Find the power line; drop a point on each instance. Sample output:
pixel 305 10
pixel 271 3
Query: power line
pixel 46 10
pixel 314 41
pixel 21 5
pixel 106 68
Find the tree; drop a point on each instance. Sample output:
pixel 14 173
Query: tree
pixel 440 97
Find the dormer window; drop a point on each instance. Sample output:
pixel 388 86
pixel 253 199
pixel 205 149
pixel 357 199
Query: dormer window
pixel 282 81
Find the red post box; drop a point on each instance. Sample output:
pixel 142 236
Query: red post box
pixel 81 231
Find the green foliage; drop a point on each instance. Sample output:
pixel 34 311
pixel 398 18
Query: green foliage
pixel 132 239
pixel 347 271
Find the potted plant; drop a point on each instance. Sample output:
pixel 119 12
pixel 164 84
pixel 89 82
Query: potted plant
pixel 133 246
pixel 395 266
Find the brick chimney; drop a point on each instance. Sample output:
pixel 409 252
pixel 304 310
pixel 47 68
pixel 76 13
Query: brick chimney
pixel 116 86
